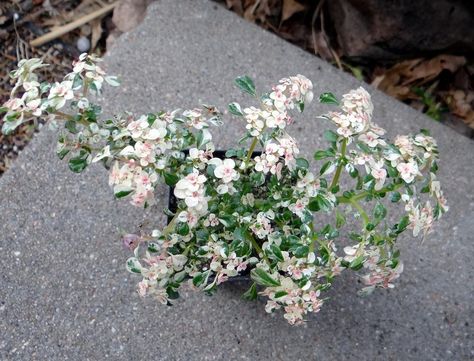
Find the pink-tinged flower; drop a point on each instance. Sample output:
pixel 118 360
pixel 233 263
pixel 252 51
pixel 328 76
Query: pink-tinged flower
pixel 351 253
pixel 294 314
pixel 382 276
pixel 221 278
pixel 131 241
pixel 408 171
pixel 188 217
pixel 299 207
pixel 191 189
pixel 211 221
pixel 138 127
pixel 60 93
pixel 255 123
pixel 242 266
pixel 277 119
pixel 63 89
pixel 279 100
pixel 145 153
pixel 358 101
pixel 200 155
pixel 379 174
pixel 262 226
pixel 155 133
pixel 195 118
pixel 78 66
pixel 371 139
pixel 295 272
pixel 420 219
pixel 225 170
pixel 14 104
pixel 143 287
pixel 271 306
pixel 345 132
pixel 34 107
pixel 405 145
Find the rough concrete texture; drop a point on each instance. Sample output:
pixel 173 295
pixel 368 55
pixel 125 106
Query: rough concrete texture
pixel 65 294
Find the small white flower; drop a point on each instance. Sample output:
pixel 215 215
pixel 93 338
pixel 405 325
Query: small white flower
pixel 408 171
pixel 225 170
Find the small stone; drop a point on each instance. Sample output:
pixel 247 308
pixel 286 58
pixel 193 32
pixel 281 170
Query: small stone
pixel 83 44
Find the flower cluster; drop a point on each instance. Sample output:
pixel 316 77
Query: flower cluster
pixel 247 213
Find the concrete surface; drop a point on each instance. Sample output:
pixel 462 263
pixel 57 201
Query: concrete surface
pixel 64 292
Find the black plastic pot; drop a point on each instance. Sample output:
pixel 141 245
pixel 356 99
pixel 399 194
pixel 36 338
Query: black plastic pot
pixel 173 207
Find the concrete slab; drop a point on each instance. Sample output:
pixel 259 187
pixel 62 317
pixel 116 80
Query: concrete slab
pixel 64 293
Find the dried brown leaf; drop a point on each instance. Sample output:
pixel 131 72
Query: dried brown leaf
pixel 235 5
pixel 290 8
pixel 461 104
pixel 400 78
pixel 96 27
pixel 429 69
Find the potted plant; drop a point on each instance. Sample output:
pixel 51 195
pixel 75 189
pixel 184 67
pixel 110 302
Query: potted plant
pixel 238 211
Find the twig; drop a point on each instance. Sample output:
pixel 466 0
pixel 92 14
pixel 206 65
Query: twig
pixel 57 32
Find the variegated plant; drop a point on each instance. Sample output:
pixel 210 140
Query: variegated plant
pixel 244 213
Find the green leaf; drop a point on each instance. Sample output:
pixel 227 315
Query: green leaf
pixel 182 228
pixel 325 167
pixel 123 193
pixel 133 265
pixel 280 294
pixel 234 108
pixel 330 136
pixel 251 293
pixel 300 106
pixel 227 220
pixel 62 153
pixel 340 219
pixel 357 263
pixel 402 225
pixel 395 197
pixel 319 203
pixel 239 234
pixel 258 178
pixel 112 80
pixel 171 179
pixel 246 84
pixel 150 118
pixel 276 252
pixel 320 154
pixel 301 251
pixel 203 137
pixel 77 164
pixel 261 277
pixel 71 125
pixel 200 279
pixel 328 98
pixel 302 163
pixel 380 211
pixel 9 126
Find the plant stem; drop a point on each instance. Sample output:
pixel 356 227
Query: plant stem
pixel 170 225
pixel 361 211
pixel 258 248
pixel 361 195
pixel 64 115
pixel 251 149
pixel 252 146
pixel 335 180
